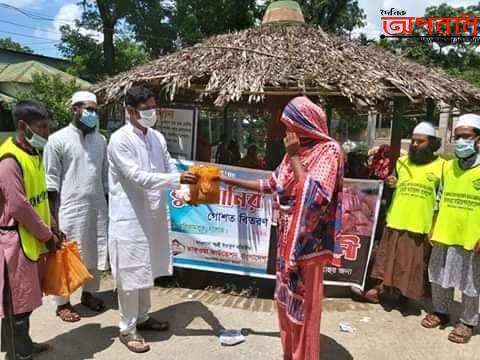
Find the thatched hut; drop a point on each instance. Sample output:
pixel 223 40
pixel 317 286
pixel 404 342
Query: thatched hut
pixel 278 60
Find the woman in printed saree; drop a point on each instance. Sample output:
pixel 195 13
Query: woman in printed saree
pixel 308 193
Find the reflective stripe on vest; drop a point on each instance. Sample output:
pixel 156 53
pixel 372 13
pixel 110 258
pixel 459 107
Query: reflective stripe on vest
pixel 458 219
pixel 413 202
pixel 35 191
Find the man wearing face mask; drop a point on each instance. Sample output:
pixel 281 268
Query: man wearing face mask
pixel 400 258
pixel 140 172
pixel 76 165
pixel 455 259
pixel 25 228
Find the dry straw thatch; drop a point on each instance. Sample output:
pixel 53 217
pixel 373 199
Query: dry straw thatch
pixel 288 60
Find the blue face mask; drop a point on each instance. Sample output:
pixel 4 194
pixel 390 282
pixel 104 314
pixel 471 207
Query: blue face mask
pixel 36 141
pixel 464 148
pixel 89 118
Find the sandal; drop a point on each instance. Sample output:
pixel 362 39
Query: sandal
pixel 432 321
pixel 461 334
pixel 373 295
pixel 140 347
pixel 91 302
pixel 67 313
pixel 154 325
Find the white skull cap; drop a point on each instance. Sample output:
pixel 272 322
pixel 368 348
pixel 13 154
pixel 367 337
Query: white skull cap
pixel 468 120
pixel 81 96
pixel 424 128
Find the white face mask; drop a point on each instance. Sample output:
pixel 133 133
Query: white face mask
pixel 148 118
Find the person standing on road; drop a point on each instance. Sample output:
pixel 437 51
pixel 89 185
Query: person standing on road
pixel 455 259
pixel 140 170
pixel 76 166
pixel 25 228
pixel 308 185
pixel 400 258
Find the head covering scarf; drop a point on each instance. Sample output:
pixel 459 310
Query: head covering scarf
pixel 315 200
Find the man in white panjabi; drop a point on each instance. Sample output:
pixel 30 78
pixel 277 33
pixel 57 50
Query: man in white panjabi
pixel 76 166
pixel 140 172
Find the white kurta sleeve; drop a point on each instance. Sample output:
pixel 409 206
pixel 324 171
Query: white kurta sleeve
pixel 105 171
pixel 121 157
pixel 52 161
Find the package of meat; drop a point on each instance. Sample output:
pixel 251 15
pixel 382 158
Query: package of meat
pixel 207 189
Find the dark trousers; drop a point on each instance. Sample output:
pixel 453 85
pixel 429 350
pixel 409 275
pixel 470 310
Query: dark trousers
pixel 16 340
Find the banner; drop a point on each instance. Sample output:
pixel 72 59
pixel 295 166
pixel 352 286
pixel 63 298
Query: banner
pixel 234 236
pixel 360 208
pixel 231 237
pixel 179 127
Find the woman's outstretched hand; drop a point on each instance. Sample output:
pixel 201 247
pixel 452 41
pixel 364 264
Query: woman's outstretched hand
pixel 292 144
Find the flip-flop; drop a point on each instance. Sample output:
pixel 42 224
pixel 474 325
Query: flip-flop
pixel 461 334
pixel 432 321
pixel 126 339
pixel 154 325
pixel 68 314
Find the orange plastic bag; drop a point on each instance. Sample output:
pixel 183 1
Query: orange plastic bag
pixel 207 189
pixel 54 277
pixel 64 271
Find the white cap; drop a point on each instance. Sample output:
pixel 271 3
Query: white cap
pixel 468 120
pixel 424 128
pixel 81 96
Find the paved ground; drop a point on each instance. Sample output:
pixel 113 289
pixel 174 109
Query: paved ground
pixel 197 317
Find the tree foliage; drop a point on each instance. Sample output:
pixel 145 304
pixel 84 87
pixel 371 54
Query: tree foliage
pixel 197 19
pixel 55 93
pixel 10 44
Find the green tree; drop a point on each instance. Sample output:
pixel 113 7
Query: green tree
pixel 10 44
pixel 333 16
pixel 151 23
pixel 132 32
pixel 197 19
pixel 55 93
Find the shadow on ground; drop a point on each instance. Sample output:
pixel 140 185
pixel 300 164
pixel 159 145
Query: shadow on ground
pixel 81 343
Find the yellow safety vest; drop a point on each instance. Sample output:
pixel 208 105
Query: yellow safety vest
pixel 413 202
pixel 36 192
pixel 458 222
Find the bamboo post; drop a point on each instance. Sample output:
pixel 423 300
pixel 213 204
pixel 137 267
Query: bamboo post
pixel 371 128
pixel 430 110
pixel 445 113
pixel 399 106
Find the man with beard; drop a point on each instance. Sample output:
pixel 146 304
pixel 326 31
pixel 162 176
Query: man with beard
pixel 455 259
pixel 76 167
pixel 400 258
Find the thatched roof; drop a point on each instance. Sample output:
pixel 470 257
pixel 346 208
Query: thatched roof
pixel 279 60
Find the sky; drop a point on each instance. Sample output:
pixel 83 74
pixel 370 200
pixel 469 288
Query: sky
pixel 42 32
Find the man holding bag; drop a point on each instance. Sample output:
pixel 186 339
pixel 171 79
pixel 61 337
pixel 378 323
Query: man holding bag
pixel 76 166
pixel 25 224
pixel 140 170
